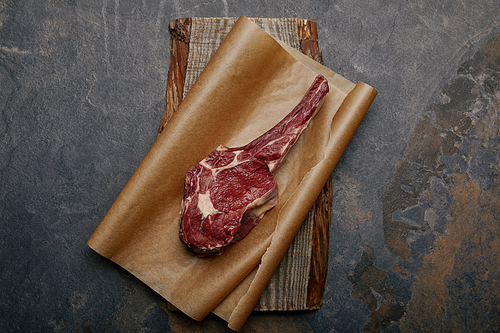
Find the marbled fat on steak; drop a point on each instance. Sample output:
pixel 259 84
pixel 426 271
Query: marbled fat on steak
pixel 228 192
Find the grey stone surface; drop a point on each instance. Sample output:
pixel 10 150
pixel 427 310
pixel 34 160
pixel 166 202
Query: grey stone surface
pixel 82 88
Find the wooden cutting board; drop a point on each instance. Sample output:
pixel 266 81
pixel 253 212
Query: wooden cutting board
pixel 299 281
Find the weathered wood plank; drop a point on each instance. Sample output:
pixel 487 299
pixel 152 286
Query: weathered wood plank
pixel 298 283
pixel 179 50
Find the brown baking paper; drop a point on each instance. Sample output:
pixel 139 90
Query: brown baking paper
pixel 249 85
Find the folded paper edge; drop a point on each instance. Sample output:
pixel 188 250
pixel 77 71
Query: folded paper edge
pixel 355 104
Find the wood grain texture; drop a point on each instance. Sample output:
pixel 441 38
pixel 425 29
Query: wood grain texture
pixel 298 282
pixel 179 50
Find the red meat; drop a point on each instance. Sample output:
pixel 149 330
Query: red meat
pixel 229 191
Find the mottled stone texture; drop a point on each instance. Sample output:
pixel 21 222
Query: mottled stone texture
pixel 415 214
pixel 441 211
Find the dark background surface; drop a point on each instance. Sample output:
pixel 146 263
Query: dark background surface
pixel 415 239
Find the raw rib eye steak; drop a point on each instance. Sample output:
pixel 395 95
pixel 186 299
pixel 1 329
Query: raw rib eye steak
pixel 228 192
